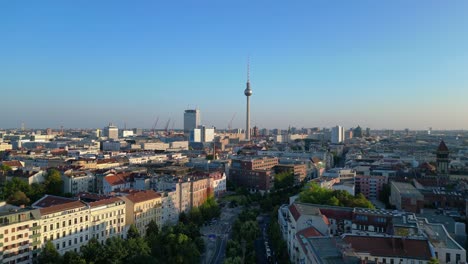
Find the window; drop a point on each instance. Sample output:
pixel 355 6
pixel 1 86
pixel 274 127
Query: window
pixel 58 225
pixel 447 257
pixel 51 227
pixel 457 258
pixel 45 229
pixel 63 224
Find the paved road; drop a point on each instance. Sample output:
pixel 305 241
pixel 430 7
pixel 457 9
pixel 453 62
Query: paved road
pixel 217 235
pixel 260 248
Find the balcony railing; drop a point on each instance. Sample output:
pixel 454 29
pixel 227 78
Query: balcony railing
pixel 35 236
pixel 32 228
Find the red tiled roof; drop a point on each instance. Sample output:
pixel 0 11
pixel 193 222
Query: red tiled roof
pixel 102 161
pixel 337 213
pixel 141 196
pixel 116 179
pixel 51 200
pixel 91 196
pixel 442 147
pixel 13 163
pixel 325 220
pixel 309 232
pixel 61 207
pixel 390 247
pixel 105 201
pixel 295 213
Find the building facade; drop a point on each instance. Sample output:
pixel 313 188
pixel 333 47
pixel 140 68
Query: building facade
pixel 191 119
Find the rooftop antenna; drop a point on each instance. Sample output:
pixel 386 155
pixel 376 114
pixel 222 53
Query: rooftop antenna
pixel 248 69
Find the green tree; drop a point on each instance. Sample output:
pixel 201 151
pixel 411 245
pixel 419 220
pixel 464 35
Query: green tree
pixel 133 232
pixel 233 260
pixel 433 261
pixel 115 250
pixel 250 230
pixel 49 254
pixel 36 191
pixel 53 182
pixel 71 257
pixel 152 229
pixel 5 168
pixel 18 198
pixel 14 185
pixel 195 216
pixel 283 180
pixel 93 251
pixel 137 246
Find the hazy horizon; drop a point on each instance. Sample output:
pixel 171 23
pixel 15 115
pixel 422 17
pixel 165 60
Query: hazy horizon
pixel 377 64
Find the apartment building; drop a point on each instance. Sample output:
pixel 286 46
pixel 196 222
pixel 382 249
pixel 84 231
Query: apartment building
pixel 66 225
pixel 108 218
pixel 254 173
pixel 19 234
pixel 142 207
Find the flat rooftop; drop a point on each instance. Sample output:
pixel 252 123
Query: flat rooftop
pixel 407 190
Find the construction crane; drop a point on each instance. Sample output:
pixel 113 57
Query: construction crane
pixel 230 122
pixel 153 129
pixel 167 125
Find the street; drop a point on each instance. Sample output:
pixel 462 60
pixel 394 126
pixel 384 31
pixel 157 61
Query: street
pixel 263 241
pixel 216 235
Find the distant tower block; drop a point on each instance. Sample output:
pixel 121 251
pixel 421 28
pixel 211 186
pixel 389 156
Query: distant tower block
pixel 248 93
pixel 442 159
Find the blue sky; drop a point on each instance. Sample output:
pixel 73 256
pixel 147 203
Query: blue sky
pixel 380 64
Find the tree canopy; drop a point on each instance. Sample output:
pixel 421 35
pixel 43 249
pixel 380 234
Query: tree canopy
pixel 315 194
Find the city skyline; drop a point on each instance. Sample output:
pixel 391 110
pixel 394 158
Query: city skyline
pixel 392 64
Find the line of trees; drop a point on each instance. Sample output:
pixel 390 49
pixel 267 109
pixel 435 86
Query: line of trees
pixel 315 194
pixel 19 192
pixel 181 243
pixel 241 248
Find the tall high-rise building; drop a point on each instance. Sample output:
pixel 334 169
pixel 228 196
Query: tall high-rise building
pixel 191 119
pixel 111 132
pixel 248 93
pixel 337 135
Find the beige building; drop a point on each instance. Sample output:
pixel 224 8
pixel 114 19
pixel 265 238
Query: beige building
pixel 19 234
pixel 142 207
pixel 107 218
pixel 66 225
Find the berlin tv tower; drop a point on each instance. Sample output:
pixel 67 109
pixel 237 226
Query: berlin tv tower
pixel 248 93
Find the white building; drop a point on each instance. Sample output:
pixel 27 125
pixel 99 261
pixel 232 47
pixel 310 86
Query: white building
pixel 107 219
pixel 111 132
pixel 127 133
pixel 218 184
pixel 337 135
pixel 78 181
pixel 202 134
pixel 155 146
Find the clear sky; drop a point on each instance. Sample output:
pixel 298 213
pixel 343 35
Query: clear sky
pixel 379 64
